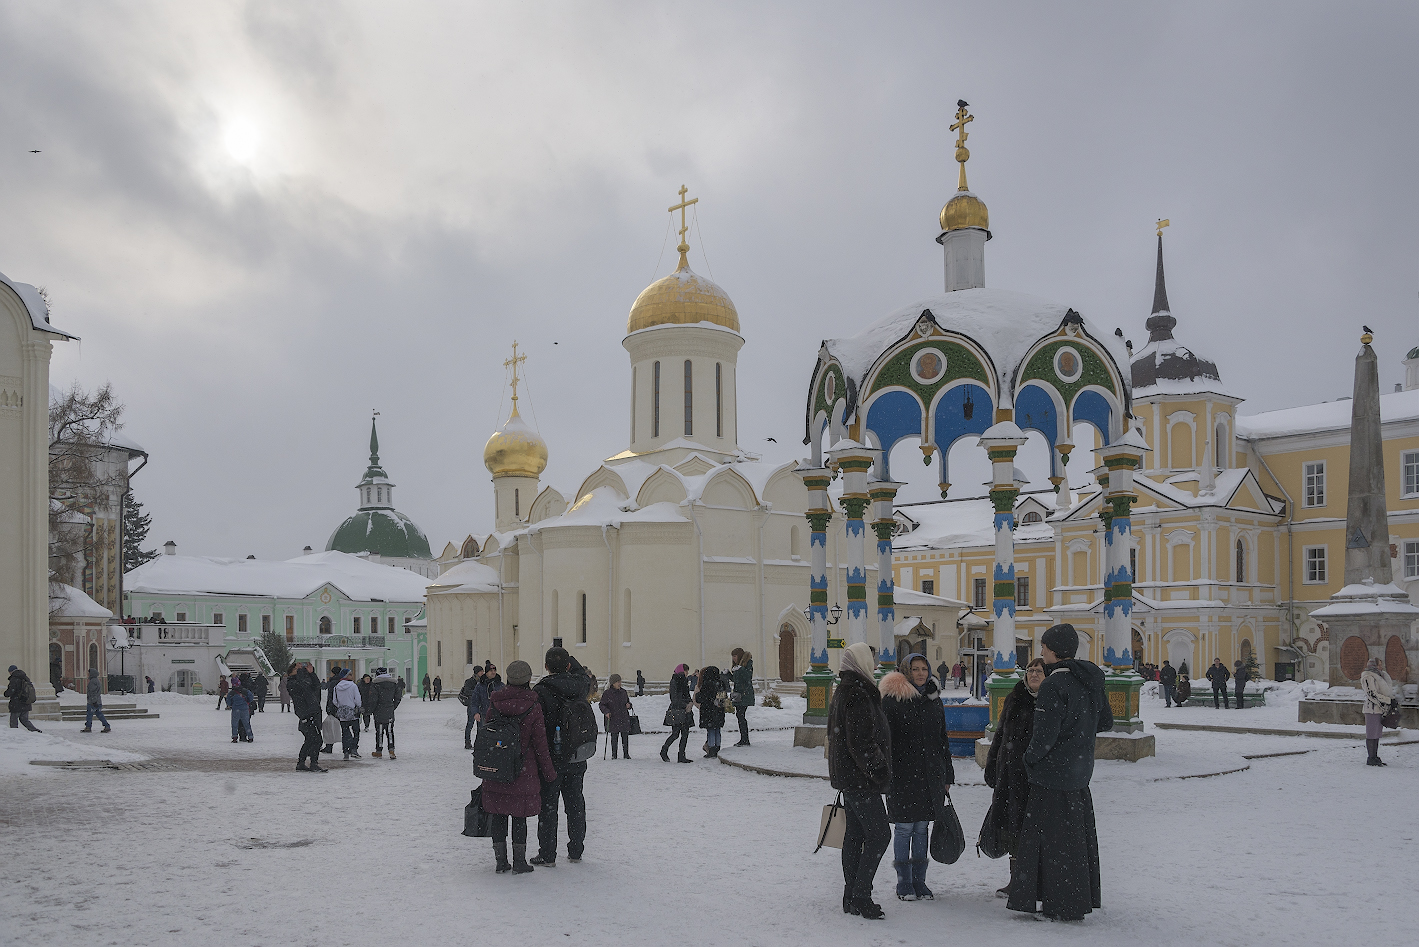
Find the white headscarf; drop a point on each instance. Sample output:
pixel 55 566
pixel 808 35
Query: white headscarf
pixel 858 659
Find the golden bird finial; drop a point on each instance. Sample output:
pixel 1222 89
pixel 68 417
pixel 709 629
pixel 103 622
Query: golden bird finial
pixel 962 153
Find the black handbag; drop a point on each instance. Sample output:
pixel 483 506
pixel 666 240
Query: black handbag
pixel 635 725
pixel 989 843
pixel 476 822
pixel 947 839
pixel 1391 717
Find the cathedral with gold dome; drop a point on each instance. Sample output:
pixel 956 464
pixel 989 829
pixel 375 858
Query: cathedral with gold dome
pixel 676 549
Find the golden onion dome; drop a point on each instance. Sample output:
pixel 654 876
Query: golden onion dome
pixel 516 450
pixel 682 298
pixel 965 210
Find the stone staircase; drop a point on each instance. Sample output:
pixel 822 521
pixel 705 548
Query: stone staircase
pixel 790 688
pixel 113 711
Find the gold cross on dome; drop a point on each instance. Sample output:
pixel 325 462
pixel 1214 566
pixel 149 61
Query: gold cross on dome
pixel 513 363
pixel 1161 225
pixel 962 153
pixel 684 228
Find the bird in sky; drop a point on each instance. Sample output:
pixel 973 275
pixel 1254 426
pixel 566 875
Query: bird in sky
pixel 34 151
pixel 1368 329
pixel 771 440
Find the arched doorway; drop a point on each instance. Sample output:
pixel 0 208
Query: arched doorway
pixel 786 639
pixel 1137 648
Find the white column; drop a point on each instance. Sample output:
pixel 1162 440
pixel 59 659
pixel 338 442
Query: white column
pixel 1001 442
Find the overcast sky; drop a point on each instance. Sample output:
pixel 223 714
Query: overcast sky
pixel 268 219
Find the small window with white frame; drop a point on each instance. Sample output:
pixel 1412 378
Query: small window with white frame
pixel 1411 559
pixel 1314 472
pixel 1315 565
pixel 1409 470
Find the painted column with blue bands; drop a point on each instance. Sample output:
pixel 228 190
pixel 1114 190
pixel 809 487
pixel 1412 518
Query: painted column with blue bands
pixel 1001 442
pixel 854 462
pixel 883 492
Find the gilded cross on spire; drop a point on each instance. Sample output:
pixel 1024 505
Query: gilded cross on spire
pixel 684 247
pixel 513 363
pixel 962 154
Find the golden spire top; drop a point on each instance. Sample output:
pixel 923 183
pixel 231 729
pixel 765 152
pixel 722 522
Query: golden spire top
pixel 962 153
pixel 684 247
pixel 513 363
pixel 1161 225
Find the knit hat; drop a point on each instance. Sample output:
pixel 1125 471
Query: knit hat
pixel 1063 640
pixel 519 673
pixel 681 669
pixel 858 658
pixel 615 679
pixel 14 668
pixel 556 660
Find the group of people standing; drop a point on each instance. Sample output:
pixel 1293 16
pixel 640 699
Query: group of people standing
pixel 1218 676
pixel 372 700
pixel 716 693
pixel 890 739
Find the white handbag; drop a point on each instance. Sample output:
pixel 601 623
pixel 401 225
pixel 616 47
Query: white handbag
pixel 832 825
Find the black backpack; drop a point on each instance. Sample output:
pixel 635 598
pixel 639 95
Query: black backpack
pixel 497 752
pixel 579 731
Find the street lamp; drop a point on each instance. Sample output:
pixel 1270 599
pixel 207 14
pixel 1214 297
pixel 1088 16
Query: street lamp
pixel 837 611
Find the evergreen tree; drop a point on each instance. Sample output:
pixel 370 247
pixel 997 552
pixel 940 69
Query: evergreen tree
pixel 273 645
pixel 1251 668
pixel 135 531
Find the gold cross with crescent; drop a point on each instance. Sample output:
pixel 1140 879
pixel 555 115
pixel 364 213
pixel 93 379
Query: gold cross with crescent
pixel 962 154
pixel 513 363
pixel 1161 225
pixel 684 228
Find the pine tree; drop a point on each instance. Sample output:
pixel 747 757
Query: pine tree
pixel 273 645
pixel 135 531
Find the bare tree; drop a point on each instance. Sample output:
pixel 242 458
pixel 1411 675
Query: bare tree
pixel 83 480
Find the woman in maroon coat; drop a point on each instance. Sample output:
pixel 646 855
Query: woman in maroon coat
pixel 523 796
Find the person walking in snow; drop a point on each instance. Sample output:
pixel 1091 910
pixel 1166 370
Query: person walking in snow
pixel 21 693
pixel 742 676
pixel 1379 694
pixel 149 681
pixel 1219 677
pixel 677 715
pixel 465 697
pixel 428 687
pixel 1057 855
pixel 260 687
pixel 615 707
pixel 1240 676
pixel 640 684
pixel 222 688
pixel 438 688
pixel 384 698
pixel 283 691
pixel 482 694
pixel 330 725
pixel 94 704
pixel 366 698
pixel 241 700
pixel 713 700
pixel 347 711
pixel 1005 765
pixel 304 689
pixel 860 767
pixel 922 773
pixel 522 797
pixel 1168 677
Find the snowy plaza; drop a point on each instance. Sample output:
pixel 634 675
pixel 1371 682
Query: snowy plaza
pixel 196 840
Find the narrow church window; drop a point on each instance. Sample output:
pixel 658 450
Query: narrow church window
pixel 265 623
pixel 718 400
pixel 516 506
pixel 1133 565
pixel 325 624
pixel 391 624
pixel 977 593
pixel 1241 562
pixel 655 402
pixel 290 628
pixel 626 618
pixel 241 624
pixel 1022 591
pixel 583 618
pixel 468 648
pixel 689 426
pixel 438 652
pixel 633 404
pixel 357 624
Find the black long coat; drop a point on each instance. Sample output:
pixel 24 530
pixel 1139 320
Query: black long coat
pixel 859 738
pixel 711 709
pixel 921 752
pixel 1005 766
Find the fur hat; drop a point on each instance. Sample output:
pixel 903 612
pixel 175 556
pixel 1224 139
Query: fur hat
pixel 556 660
pixel 519 673
pixel 1063 640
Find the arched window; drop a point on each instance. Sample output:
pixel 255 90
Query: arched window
pixel 689 401
pixel 1031 517
pixel 655 400
pixel 718 400
pixel 1241 562
pixel 325 624
pixel 516 502
pixel 93 656
pixel 1219 447
pixel 795 542
pixel 633 404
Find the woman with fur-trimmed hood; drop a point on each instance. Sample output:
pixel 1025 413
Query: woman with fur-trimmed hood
pixel 860 767
pixel 921 770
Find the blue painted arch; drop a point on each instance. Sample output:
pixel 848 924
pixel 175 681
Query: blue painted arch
pixel 893 415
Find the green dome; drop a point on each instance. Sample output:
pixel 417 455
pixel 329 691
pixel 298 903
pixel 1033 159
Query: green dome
pixel 1413 353
pixel 382 532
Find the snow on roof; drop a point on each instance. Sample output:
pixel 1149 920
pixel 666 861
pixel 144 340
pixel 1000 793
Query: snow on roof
pixel 68 602
pixel 1328 416
pixel 1171 357
pixel 357 578
pixel 34 305
pixel 1005 323
pixel 468 576
pixel 605 507
pixel 945 524
pixel 913 598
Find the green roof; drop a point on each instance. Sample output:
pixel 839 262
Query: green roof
pixel 383 532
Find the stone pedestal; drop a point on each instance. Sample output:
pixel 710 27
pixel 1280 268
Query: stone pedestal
pixel 1370 620
pixel 810 735
pixel 1124 689
pixel 818 689
pixel 998 687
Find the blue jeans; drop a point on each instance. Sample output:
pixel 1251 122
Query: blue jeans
pixel 94 709
pixel 241 723
pixel 911 841
pixel 712 738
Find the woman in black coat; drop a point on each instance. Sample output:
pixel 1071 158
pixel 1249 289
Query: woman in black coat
pixel 1057 852
pixel 616 708
pixel 711 698
pixel 921 770
pixel 678 717
pixel 860 767
pixel 1005 766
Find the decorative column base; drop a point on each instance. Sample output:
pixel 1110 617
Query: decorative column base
pixel 1124 689
pixel 818 688
pixel 998 687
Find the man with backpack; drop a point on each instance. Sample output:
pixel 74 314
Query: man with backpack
pixel 22 697
pixel 571 738
pixel 465 697
pixel 384 697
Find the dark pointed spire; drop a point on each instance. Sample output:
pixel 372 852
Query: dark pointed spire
pixel 1160 324
pixel 374 443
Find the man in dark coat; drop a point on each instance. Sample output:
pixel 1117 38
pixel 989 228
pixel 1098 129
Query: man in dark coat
pixel 640 684
pixel 615 707
pixel 1168 677
pixel 428 688
pixel 491 683
pixel 1005 764
pixel 366 687
pixel 1219 677
pixel 465 697
pixel 1240 676
pixel 259 687
pixel 19 692
pixel 384 698
pixel 860 766
pixel 566 681
pixel 1057 856
pixel 304 688
pixel 438 688
pixel 94 705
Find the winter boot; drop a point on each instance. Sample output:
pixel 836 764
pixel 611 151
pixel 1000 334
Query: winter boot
pixel 302 768
pixel 500 853
pixel 377 754
pixel 317 768
pixel 847 900
pixel 683 758
pixel 347 758
pixel 1372 752
pixel 87 730
pixel 664 750
pixel 905 891
pixel 923 893
pixel 867 908
pixel 391 754
pixel 545 861
pixel 110 730
pixel 234 739
pixel 519 860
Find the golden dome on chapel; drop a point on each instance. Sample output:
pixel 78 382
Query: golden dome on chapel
pixel 965 210
pixel 682 298
pixel 515 451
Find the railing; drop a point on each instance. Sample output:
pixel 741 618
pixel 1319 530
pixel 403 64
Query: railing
pixel 148 633
pixel 338 641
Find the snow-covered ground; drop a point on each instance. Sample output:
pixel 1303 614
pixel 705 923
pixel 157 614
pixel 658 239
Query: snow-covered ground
pixel 224 840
